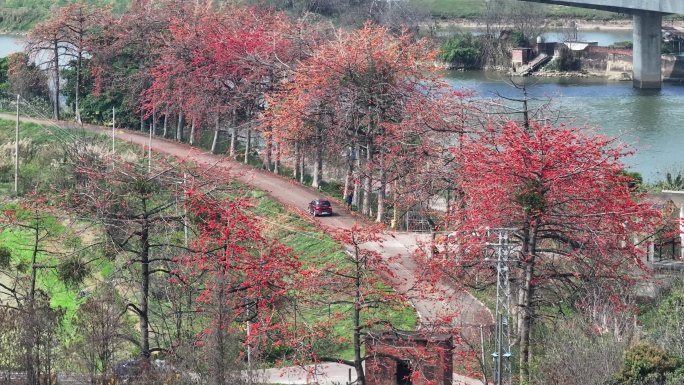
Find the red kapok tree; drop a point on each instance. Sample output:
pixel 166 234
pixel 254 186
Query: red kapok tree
pixel 576 220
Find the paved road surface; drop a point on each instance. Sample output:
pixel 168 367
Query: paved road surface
pixel 443 299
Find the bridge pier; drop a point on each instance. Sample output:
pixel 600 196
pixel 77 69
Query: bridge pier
pixel 647 61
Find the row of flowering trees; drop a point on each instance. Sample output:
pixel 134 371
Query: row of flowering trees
pixel 369 106
pixel 237 77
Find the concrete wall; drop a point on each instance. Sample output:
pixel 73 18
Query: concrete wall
pixel 612 60
pixel 673 67
pixel 604 59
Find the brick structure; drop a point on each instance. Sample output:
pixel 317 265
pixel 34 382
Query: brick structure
pixel 521 56
pixel 409 358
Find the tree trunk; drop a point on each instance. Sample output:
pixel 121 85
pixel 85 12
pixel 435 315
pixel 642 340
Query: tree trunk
pixel 192 132
pixel 154 122
pixel 233 135
pixel 358 302
pixel 318 168
pixel 214 141
pixel 144 287
pixel 180 126
pixel 142 120
pixel 248 143
pixel 166 125
pixel 276 162
pixel 367 181
pixel 302 167
pixel 356 181
pixel 220 360
pixel 348 186
pixel 55 69
pixel 266 158
pixel 77 91
pixel 297 154
pixel 525 296
pixel 381 198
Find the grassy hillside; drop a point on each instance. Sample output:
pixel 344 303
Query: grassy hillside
pixel 21 15
pixel 446 9
pixel 289 229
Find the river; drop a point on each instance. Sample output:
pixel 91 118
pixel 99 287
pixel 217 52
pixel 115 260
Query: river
pixel 653 121
pixel 10 44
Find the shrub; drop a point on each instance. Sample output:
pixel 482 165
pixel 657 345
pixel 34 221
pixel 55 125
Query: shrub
pixel 462 51
pixel 646 364
pixel 622 44
pixel 565 61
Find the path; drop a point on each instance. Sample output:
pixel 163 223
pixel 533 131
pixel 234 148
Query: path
pixel 296 197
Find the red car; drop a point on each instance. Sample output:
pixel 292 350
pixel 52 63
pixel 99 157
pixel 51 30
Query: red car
pixel 320 207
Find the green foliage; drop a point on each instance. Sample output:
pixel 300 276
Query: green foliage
pixel 38 134
pixel 314 248
pixel 531 199
pixel 462 51
pixel 636 179
pixel 517 39
pixel 21 15
pixel 622 45
pixel 73 272
pixel 672 181
pixel 5 257
pixel 4 67
pixel 646 363
pixel 667 50
pixel 565 61
pixel 571 351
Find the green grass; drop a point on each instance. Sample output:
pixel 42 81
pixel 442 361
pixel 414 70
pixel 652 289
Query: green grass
pixel 314 247
pixel 21 15
pixel 293 231
pixel 447 9
pixel 21 243
pixel 39 134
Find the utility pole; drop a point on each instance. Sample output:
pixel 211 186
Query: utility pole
pixel 149 156
pixel 249 347
pixel 113 128
pixel 16 152
pixel 502 333
pixel 185 214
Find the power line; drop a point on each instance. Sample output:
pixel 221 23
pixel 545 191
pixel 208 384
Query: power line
pixel 502 349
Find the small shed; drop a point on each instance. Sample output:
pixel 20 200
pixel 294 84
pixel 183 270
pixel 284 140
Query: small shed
pixel 409 358
pixel 521 56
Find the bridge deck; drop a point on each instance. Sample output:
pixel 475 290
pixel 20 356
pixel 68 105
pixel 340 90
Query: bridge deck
pixel 623 6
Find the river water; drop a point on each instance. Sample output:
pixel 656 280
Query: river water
pixel 10 44
pixel 653 121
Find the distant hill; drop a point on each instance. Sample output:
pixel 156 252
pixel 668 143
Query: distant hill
pixel 21 15
pixel 450 9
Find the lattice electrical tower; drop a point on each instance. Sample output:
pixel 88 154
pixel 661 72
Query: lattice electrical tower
pixel 501 356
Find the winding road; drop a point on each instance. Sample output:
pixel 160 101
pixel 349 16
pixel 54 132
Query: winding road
pixel 439 301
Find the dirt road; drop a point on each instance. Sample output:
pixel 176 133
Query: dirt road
pixel 430 306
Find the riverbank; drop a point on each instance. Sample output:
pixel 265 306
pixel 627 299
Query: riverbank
pixel 581 25
pixel 612 76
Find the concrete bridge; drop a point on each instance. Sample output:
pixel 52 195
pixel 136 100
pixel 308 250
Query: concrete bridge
pixel 648 19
